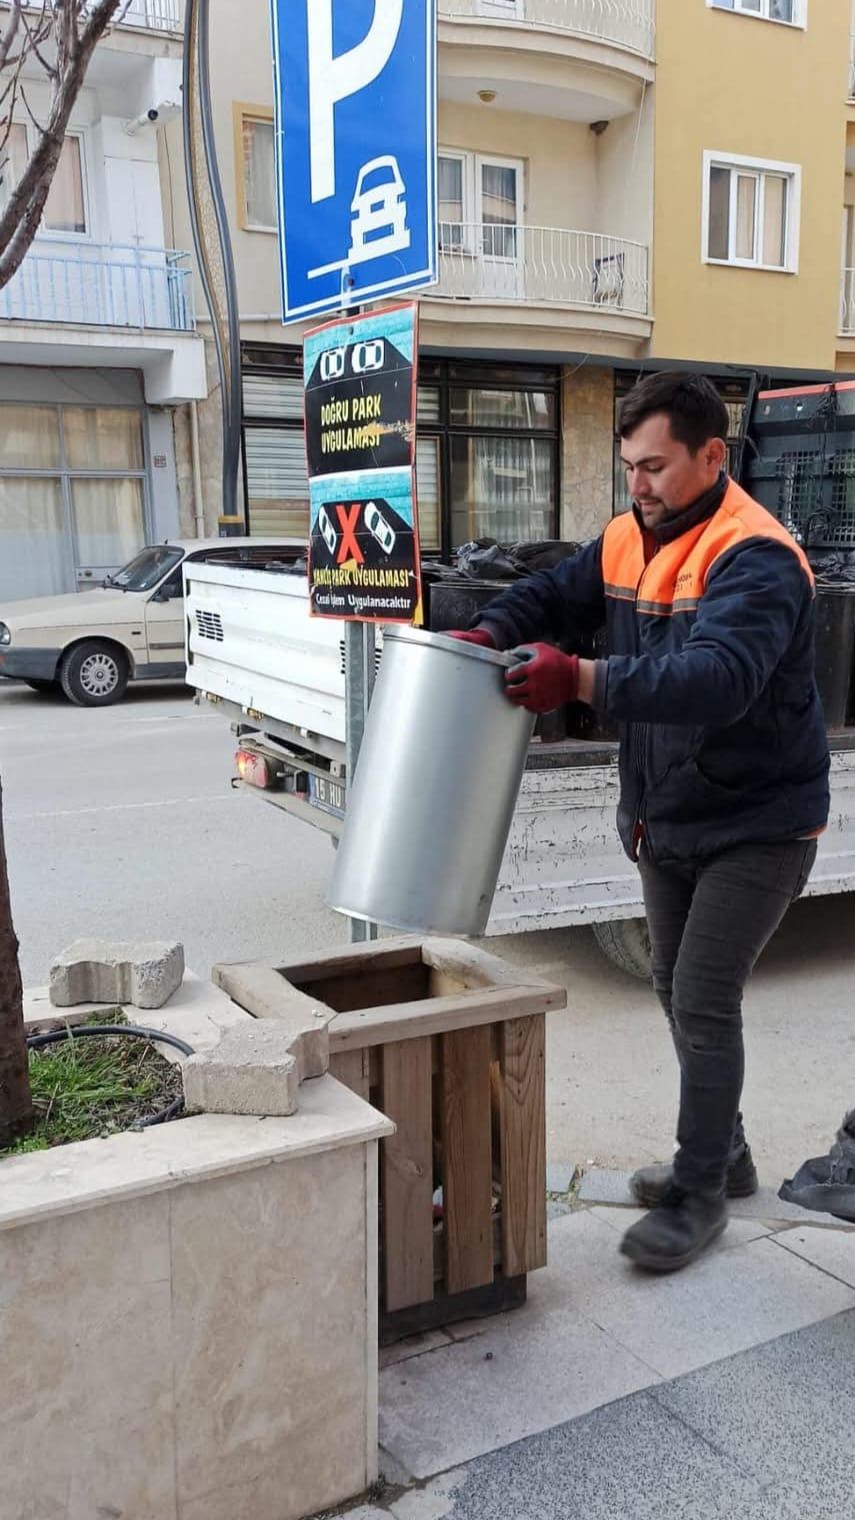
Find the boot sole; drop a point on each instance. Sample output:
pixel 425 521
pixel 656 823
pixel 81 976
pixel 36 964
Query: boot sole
pixel 649 1262
pixel 651 1199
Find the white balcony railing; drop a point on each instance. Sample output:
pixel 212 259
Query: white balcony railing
pixel 852 67
pixel 847 301
pixel 628 23
pixel 154 15
pixel 544 265
pixel 102 286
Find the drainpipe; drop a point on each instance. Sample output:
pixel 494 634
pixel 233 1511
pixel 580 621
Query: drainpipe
pixel 195 456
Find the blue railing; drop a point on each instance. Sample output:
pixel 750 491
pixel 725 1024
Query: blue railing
pixel 95 285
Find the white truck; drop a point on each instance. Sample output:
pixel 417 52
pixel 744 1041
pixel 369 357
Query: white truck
pixel 254 651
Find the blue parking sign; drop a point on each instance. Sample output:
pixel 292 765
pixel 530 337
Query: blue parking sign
pixel 355 96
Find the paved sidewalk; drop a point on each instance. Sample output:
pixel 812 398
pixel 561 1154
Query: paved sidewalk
pixel 727 1390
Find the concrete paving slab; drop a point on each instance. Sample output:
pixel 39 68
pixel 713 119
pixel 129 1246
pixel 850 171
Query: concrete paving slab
pixel 784 1412
pixel 738 1233
pixel 726 1302
pixel 530 1370
pixel 632 1461
pixel 603 1185
pixel 559 1176
pixel 414 1345
pixel 609 1186
pixel 831 1250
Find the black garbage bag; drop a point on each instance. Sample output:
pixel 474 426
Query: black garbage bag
pixel 833 567
pixel 826 1184
pixel 485 559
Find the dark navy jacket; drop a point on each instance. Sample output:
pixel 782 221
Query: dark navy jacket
pixel 710 675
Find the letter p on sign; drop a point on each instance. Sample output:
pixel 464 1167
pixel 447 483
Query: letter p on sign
pixel 332 80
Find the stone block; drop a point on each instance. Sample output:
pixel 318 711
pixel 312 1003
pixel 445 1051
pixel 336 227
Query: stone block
pixel 143 973
pixel 252 1071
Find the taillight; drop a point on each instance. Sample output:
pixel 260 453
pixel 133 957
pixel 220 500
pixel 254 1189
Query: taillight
pixel 254 769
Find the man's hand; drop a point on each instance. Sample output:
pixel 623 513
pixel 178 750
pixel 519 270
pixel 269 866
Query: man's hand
pixel 544 679
pixel 474 636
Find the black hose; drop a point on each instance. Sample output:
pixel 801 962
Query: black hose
pixel 83 1031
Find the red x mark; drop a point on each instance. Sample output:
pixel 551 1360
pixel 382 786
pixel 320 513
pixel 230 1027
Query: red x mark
pixel 347 521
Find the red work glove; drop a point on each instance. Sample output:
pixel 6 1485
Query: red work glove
pixel 474 636
pixel 544 678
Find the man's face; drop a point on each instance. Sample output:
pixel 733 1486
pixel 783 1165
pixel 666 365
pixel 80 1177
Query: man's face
pixel 662 475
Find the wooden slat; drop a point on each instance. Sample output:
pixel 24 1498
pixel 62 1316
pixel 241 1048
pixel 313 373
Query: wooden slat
pixel 467 1158
pixel 373 953
pixel 352 1068
pixel 407 1175
pixel 373 1026
pixel 523 1144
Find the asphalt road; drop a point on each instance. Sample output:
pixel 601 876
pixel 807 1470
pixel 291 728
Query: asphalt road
pixel 120 822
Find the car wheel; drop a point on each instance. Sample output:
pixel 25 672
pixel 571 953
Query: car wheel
pixel 626 943
pixel 94 674
pixel 42 686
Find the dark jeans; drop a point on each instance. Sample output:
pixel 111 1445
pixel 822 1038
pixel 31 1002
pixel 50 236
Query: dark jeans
pixel 709 920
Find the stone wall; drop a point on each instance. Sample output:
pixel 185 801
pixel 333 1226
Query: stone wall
pixel 587 451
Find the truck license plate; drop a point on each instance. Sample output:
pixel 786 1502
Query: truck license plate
pixel 326 794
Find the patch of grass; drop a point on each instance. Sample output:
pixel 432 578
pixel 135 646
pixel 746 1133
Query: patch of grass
pixel 90 1088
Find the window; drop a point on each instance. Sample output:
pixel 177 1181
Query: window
pixel 256 169
pixel 480 204
pixel 65 211
pixel 72 495
pixel 486 451
pixel 792 12
pixel 751 212
pixel 494 470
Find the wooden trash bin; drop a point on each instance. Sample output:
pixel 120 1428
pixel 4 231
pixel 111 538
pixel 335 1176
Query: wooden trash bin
pixel 448 1042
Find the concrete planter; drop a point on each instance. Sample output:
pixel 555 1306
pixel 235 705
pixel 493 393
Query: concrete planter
pixel 189 1317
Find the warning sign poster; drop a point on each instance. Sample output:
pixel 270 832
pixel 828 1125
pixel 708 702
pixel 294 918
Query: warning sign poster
pixel 360 378
pixel 364 549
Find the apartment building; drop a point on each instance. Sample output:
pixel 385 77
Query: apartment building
pixel 623 185
pixel 98 340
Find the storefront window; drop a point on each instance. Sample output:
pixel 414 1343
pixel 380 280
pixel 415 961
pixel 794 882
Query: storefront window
pixel 486 453
pixel 501 488
pixel 72 495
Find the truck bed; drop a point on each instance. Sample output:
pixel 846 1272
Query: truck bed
pixel 279 675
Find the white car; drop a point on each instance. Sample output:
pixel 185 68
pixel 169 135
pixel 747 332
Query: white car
pixel 379 528
pixel 327 530
pixel 379 209
pixel 90 644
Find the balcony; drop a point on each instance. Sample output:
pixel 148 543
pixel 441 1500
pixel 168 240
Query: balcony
pixel 549 266
pixel 852 68
pixel 847 304
pixel 94 286
pixel 626 24
pixel 107 306
pixel 154 15
pixel 547 288
pixel 578 60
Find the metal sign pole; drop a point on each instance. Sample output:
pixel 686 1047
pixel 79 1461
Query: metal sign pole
pixel 359 667
pixel 359 672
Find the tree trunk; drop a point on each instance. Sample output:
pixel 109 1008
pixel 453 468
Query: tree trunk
pixel 16 1104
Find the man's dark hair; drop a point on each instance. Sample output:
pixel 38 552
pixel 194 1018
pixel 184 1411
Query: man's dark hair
pixel 691 403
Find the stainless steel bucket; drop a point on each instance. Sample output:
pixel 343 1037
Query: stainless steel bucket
pixel 439 771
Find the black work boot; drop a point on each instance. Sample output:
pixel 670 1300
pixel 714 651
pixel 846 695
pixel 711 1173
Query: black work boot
pixel 650 1185
pixel 678 1230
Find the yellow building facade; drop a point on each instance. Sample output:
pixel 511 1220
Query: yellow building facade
pixel 623 185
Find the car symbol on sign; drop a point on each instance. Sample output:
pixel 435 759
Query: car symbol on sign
pixel 332 363
pixel 379 211
pixel 327 529
pixel 378 527
pixel 368 356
